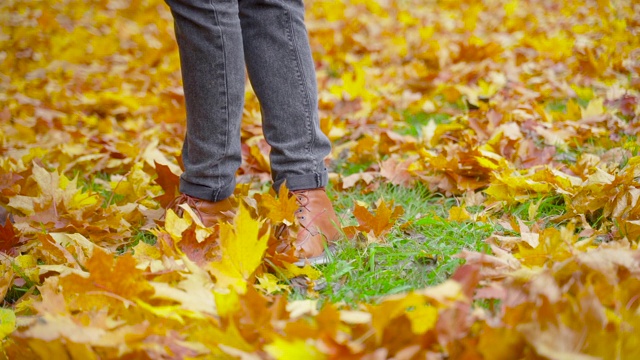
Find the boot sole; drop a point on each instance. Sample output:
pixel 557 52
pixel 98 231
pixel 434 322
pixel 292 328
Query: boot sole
pixel 321 259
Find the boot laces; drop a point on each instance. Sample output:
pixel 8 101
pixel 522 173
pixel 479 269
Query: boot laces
pixel 303 202
pixel 184 199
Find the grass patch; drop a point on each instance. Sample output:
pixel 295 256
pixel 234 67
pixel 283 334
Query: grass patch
pixel 346 167
pixel 540 208
pixel 418 255
pixel 141 235
pixel 95 185
pixel 415 122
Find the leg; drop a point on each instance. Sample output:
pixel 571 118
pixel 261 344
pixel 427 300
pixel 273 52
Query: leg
pixel 283 76
pixel 282 73
pixel 212 61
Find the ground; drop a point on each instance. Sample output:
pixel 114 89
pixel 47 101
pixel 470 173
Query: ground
pixel 485 169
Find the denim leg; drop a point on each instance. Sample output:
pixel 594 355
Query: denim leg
pixel 282 73
pixel 212 61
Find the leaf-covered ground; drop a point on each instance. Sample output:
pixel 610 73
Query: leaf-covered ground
pixel 524 114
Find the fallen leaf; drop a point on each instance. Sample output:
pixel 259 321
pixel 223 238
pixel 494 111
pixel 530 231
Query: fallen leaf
pixel 242 249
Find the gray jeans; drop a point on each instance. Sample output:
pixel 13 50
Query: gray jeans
pixel 216 39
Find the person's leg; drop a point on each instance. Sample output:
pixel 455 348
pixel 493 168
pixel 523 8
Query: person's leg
pixel 212 62
pixel 282 73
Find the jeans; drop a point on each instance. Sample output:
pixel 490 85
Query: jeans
pixel 216 38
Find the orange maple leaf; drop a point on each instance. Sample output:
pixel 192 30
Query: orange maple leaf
pixel 380 222
pixel 280 209
pixel 168 181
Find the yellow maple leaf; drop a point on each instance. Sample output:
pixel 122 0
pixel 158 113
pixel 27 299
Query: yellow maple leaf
pixel 393 307
pixel 380 223
pixel 176 225
pixel 293 349
pixel 595 108
pixel 79 199
pixel 227 303
pixel 7 322
pixel 269 284
pixel 193 293
pixel 458 213
pixel 423 318
pixel 242 250
pixel 28 267
pixel 291 271
pixel 279 209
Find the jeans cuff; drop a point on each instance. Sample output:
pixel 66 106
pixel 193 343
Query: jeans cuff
pixel 205 192
pixel 303 182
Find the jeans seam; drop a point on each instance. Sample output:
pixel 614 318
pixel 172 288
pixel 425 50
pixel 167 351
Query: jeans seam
pixel 218 188
pixel 305 94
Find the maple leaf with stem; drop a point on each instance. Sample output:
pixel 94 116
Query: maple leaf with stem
pixel 242 248
pixel 280 209
pixel 379 223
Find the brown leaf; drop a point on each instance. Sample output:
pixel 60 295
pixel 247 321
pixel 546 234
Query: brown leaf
pixel 280 209
pixel 169 182
pixel 380 222
pixel 8 238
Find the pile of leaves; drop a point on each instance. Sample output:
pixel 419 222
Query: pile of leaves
pixel 498 103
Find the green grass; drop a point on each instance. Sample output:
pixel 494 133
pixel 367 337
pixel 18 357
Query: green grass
pixel 420 249
pixel 93 186
pixel 549 207
pixel 415 122
pixel 346 168
pixel 140 235
pixel 418 255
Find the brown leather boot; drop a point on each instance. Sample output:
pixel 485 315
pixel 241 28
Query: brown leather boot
pixel 210 212
pixel 319 226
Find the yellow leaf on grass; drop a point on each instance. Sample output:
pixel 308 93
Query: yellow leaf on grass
pixel 79 199
pixel 599 178
pixel 242 250
pixel 269 283
pixel 281 208
pixel 77 240
pixel 7 322
pixel 309 271
pixel 458 213
pixel 28 266
pixel 595 108
pixel 293 349
pixel 147 256
pixel 380 223
pixel 48 182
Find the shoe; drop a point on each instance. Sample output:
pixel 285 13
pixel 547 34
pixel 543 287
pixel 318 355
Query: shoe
pixel 319 226
pixel 209 212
